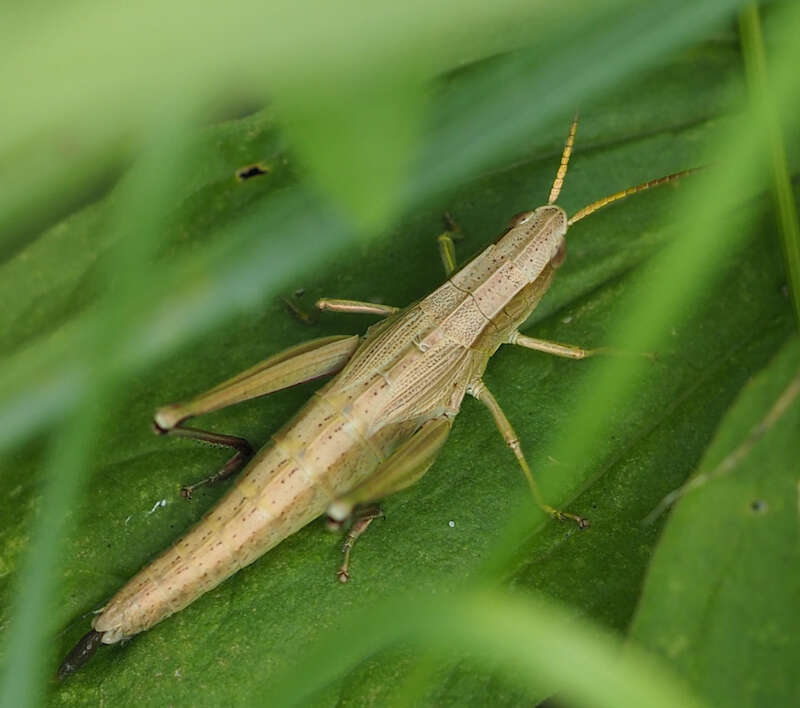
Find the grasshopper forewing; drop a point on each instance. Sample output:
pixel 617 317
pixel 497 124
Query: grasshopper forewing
pixel 371 431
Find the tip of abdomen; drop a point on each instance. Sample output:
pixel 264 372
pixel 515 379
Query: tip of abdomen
pixel 80 654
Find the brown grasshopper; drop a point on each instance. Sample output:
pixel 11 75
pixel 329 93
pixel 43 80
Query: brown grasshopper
pixel 373 430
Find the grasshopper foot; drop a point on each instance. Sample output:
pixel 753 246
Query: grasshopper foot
pixel 231 467
pixel 296 310
pixel 362 518
pixel 583 523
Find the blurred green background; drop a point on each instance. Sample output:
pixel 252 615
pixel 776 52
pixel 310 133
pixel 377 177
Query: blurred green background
pixel 136 269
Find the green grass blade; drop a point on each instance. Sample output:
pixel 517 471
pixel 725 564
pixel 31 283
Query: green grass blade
pixel 27 642
pixel 28 638
pixel 769 121
pixel 529 639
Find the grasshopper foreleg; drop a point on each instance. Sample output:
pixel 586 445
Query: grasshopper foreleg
pixel 447 246
pixel 356 307
pixel 485 396
pixel 296 365
pixel 297 311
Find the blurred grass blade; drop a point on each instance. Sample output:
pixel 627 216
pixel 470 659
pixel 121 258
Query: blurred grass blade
pixel 156 52
pixel 101 90
pixel 527 639
pixel 581 59
pixel 147 193
pixel 49 181
pixel 769 121
pixel 46 379
pixel 359 142
pixel 27 640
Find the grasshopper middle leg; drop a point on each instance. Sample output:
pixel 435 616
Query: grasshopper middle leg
pixel 362 518
pixel 298 364
pixel 485 396
pixel 400 470
pixel 568 351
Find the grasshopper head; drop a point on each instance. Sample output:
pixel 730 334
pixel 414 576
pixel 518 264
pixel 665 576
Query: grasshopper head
pixel 535 244
pixel 535 240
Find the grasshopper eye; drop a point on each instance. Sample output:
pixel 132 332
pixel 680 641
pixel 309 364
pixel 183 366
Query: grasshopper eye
pixel 561 254
pixel 517 219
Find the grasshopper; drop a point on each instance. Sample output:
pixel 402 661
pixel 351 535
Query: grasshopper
pixel 373 430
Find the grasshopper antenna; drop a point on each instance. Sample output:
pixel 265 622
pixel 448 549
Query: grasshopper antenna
pixel 80 654
pixel 558 182
pixel 611 198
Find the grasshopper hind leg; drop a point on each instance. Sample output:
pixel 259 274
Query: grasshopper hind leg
pixel 296 365
pixel 244 451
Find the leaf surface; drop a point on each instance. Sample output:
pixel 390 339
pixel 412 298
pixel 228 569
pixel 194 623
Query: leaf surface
pixel 442 532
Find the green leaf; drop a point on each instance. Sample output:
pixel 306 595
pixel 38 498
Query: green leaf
pixel 720 601
pixel 229 247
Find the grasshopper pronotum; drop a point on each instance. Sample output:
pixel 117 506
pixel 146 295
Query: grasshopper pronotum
pixel 373 430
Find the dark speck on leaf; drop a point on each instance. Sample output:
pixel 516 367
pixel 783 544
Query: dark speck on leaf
pixel 249 171
pixel 758 506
